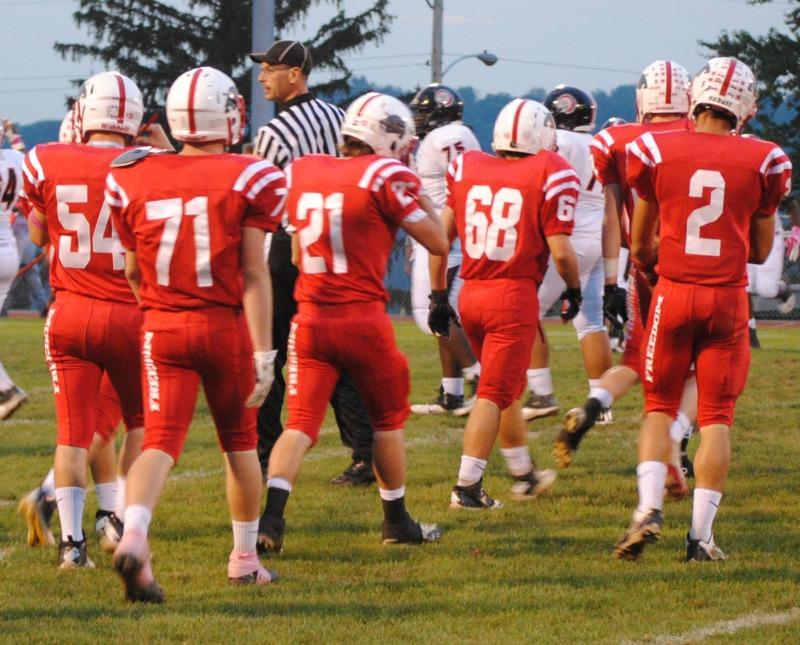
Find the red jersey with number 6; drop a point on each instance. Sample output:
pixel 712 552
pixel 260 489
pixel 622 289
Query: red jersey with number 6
pixel 345 213
pixel 65 182
pixel 183 216
pixel 505 208
pixel 708 187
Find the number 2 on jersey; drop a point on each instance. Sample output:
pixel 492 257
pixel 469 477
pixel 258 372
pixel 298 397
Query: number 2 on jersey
pixel 312 207
pixel 711 212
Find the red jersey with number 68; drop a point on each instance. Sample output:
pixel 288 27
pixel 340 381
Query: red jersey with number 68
pixel 183 216
pixel 345 213
pixel 708 187
pixel 65 182
pixel 505 208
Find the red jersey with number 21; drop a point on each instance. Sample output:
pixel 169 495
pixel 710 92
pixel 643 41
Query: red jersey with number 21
pixel 505 208
pixel 708 187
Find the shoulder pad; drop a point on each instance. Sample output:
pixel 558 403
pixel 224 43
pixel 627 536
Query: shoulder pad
pixel 135 155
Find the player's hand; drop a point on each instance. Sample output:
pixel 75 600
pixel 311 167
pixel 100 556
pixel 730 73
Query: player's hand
pixel 793 244
pixel 153 135
pixel 615 307
pixel 571 304
pixel 440 313
pixel 265 375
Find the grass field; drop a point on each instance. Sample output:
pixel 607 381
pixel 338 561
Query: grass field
pixel 539 571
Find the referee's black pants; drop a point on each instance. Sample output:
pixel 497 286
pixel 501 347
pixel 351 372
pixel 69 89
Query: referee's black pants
pixel 348 408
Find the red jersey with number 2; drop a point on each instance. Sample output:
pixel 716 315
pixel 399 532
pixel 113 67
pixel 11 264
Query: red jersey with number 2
pixel 708 187
pixel 505 208
pixel 65 182
pixel 345 213
pixel 183 216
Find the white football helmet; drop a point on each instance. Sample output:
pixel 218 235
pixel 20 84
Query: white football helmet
pixel 67 132
pixel 663 88
pixel 109 102
pixel 382 122
pixel 726 84
pixel 524 126
pixel 203 105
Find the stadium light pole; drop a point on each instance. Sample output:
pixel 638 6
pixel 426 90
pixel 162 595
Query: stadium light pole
pixel 436 49
pixel 263 33
pixel 487 58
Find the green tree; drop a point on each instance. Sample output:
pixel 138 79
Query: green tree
pixel 153 42
pixel 775 60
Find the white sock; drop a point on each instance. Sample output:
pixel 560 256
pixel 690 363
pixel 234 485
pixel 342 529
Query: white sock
pixel 70 501
pixel 751 323
pixel 245 536
pixel 107 495
pixel 391 495
pixel 677 431
pixel 279 482
pixel 471 470
pixel 138 517
pixel 650 479
pixel 689 431
pixel 453 386
pixel 594 383
pixel 5 380
pixel 704 510
pixel 120 507
pixel 48 486
pixel 602 395
pixel 540 381
pixel 518 460
pixel 473 371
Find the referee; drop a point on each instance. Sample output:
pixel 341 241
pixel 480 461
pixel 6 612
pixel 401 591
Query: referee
pixel 304 125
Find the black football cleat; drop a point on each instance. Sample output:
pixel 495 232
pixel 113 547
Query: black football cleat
pixel 473 498
pixel 643 530
pixel 270 535
pixel 701 551
pixel 73 555
pixel 410 532
pixel 577 422
pixel 359 473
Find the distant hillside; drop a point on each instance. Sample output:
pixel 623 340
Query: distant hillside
pixel 39 132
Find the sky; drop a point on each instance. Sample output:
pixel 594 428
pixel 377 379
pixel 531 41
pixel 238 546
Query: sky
pixel 594 44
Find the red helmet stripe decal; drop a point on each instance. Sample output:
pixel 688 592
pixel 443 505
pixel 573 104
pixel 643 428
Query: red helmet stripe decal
pixel 122 98
pixel 515 126
pixel 669 82
pixel 728 77
pixel 192 88
pixel 365 103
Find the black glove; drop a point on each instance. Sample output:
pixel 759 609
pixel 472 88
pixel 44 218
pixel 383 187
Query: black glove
pixel 572 306
pixel 440 313
pixel 615 308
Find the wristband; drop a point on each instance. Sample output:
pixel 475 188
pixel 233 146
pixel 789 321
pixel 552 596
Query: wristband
pixel 611 268
pixel 33 219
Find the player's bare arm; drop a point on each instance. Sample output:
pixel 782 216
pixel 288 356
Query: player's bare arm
pixel 37 228
pixel 133 273
pixel 295 250
pixel 611 235
pixel 565 260
pixel 257 295
pixel 438 264
pixel 643 234
pixel 762 231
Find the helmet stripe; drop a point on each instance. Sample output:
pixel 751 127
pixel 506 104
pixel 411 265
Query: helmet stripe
pixel 728 77
pixel 367 102
pixel 192 88
pixel 515 126
pixel 669 82
pixel 122 98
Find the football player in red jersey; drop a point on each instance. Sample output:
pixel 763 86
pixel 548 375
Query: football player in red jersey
pixel 345 213
pixel 93 325
pixel 193 225
pixel 712 196
pixel 662 101
pixel 511 212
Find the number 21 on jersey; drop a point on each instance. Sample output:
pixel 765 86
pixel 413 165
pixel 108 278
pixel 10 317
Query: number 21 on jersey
pixel 316 208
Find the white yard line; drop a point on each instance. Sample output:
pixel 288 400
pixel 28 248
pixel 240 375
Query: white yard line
pixel 4 553
pixel 748 621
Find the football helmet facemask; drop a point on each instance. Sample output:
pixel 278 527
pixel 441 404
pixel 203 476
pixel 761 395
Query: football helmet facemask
pixel 524 126
pixel 573 109
pixel 434 106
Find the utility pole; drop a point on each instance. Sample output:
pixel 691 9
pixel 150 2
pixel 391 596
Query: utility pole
pixel 436 53
pixel 261 110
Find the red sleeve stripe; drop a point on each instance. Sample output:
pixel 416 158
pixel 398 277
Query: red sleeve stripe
pixel 249 172
pixel 605 135
pixel 374 167
pixel 31 165
pixel 386 173
pixel 281 193
pixel 122 99
pixel 114 193
pixel 776 155
pixel 776 170
pixel 652 147
pixel 560 188
pixel 561 175
pixel 634 149
pixel 257 186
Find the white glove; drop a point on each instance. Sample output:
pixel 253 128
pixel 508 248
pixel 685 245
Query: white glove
pixel 265 375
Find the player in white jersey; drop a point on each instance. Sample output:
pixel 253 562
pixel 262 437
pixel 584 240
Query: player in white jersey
pixel 574 111
pixel 11 396
pixel 437 115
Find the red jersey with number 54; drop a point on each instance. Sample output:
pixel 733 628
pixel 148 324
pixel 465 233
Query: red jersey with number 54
pixel 708 187
pixel 345 213
pixel 65 182
pixel 183 216
pixel 505 208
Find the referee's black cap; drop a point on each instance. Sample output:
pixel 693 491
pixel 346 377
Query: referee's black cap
pixel 286 52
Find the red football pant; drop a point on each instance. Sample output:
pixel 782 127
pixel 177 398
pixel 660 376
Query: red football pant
pixel 181 349
pixel 705 325
pixel 500 318
pixel 84 337
pixel 357 338
pixel 109 412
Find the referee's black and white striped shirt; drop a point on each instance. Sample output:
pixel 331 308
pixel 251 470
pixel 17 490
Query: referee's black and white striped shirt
pixel 303 126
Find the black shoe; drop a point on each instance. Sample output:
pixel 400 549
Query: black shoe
pixel 410 532
pixel 700 551
pixel 687 466
pixel 108 528
pixel 359 473
pixel 444 403
pixel 270 535
pixel 754 342
pixel 473 498
pixel 643 530
pixel 577 422
pixel 73 555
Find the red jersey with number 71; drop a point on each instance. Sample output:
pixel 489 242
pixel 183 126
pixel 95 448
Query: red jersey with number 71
pixel 345 214
pixel 708 187
pixel 65 182
pixel 184 215
pixel 505 208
